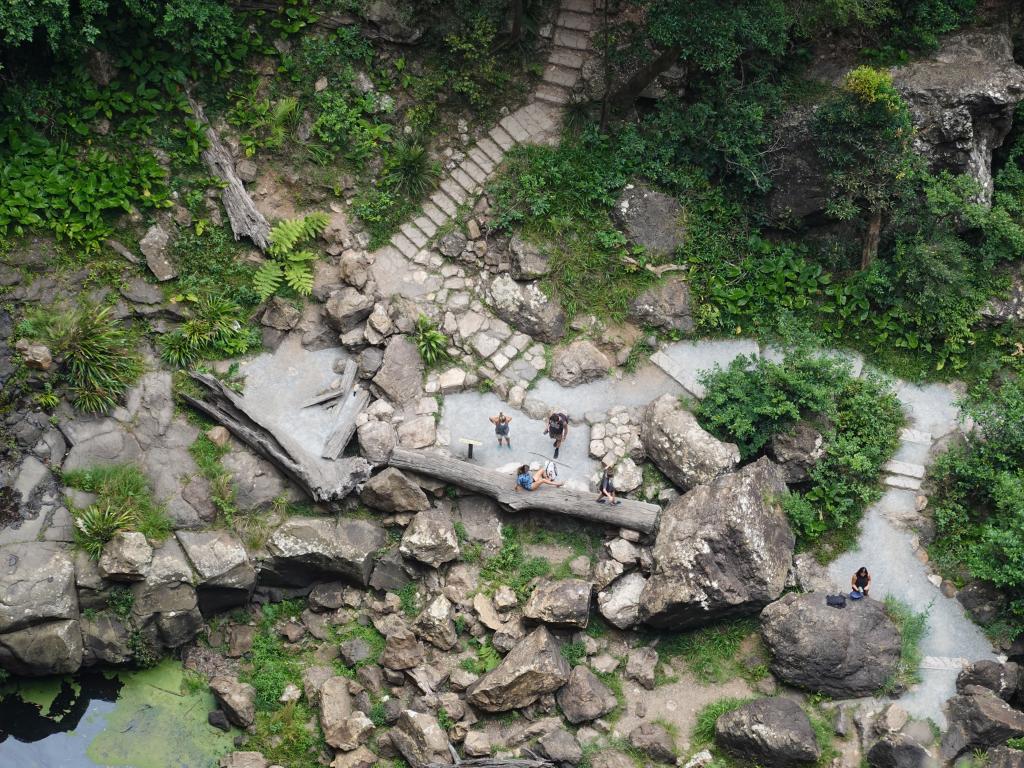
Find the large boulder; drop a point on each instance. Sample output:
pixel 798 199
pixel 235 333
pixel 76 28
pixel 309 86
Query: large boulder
pixel 347 308
pixel 400 378
pixel 125 557
pixel 430 538
pixel 420 739
pixel 665 306
pixel 898 750
pixel 619 602
pixel 839 652
pixel 436 624
pixel 37 584
pixel 723 549
pixel 799 189
pixel 680 447
pixel 962 100
pixel 395 22
pixel 534 667
pixel 654 741
pixel 165 604
pixel 525 307
pixel 306 549
pixel 392 491
pixel 650 219
pixel 578 363
pixel 105 640
pixel 773 732
pixel 1003 679
pixel 1004 757
pixel 979 721
pixel 50 648
pixel 585 697
pixel 563 603
pixel 377 439
pixel 226 577
pixel 238 700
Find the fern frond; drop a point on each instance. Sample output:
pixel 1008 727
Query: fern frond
pixel 298 257
pixel 267 279
pixel 299 278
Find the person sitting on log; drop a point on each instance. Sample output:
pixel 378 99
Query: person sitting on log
pixel 606 488
pixel 531 481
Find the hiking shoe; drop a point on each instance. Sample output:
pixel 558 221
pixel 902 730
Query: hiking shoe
pixel 601 500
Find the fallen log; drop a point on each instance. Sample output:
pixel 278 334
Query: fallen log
pixel 345 426
pixel 634 515
pixel 348 377
pixel 245 219
pixel 324 481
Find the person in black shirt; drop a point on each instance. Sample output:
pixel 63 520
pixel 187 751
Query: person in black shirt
pixel 861 581
pixel 557 429
pixel 607 488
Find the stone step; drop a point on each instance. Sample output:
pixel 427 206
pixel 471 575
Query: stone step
pixel 946 663
pixel 572 38
pixel 454 190
pixel 566 57
pixel 578 6
pixel 435 214
pixel 448 206
pixel 514 127
pixel 899 481
pixel 491 149
pixel 905 468
pixel 415 235
pixel 464 180
pixel 678 372
pixel 561 75
pixel 426 225
pixel 474 171
pixel 480 157
pixel 584 22
pixel 404 245
pixel 916 436
pixel 500 137
pixel 552 94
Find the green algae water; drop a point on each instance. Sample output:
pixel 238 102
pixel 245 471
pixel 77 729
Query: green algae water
pixel 134 719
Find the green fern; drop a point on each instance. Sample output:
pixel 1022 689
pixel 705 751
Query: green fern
pixel 286 234
pixel 299 278
pixel 287 265
pixel 267 279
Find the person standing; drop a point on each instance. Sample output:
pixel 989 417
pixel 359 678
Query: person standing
pixel 557 429
pixel 502 429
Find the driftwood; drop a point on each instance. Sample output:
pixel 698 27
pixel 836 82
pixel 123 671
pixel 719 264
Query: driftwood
pixel 355 400
pixel 348 377
pixel 635 515
pixel 324 481
pixel 245 219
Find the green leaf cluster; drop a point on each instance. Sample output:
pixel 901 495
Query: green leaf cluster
pixel 288 265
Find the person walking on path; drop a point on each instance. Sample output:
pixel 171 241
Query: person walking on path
pixel 502 429
pixel 607 488
pixel 557 429
pixel 531 481
pixel 860 583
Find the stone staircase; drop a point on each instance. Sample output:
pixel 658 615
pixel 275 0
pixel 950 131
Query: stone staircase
pixel 533 123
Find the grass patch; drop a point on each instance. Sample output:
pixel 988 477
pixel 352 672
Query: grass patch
pixel 911 626
pixel 124 502
pixel 704 729
pixel 409 597
pixel 367 633
pixel 574 653
pixel 512 567
pixel 710 652
pixel 288 736
pixel 487 658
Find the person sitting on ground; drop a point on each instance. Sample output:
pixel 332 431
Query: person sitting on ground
pixel 607 488
pixel 502 429
pixel 861 583
pixel 557 429
pixel 528 480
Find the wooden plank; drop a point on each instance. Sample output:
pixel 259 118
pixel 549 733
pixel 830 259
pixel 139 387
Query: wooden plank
pixel 634 515
pixel 345 426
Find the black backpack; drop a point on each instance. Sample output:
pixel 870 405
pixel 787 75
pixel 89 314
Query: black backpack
pixel 836 601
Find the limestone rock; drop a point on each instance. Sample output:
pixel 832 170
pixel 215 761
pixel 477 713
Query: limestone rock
pixel 898 750
pixel 125 557
pixel 226 577
pixel 401 651
pixel 665 306
pixel 534 667
pixel 584 697
pixel 37 584
pixel 105 640
pixel 400 377
pixel 722 549
pixel 436 623
pixel 280 314
pixel 335 707
pixel 326 548
pixel 654 741
pixel 238 700
pixel 642 666
pixel 392 491
pixel 619 603
pixel 420 739
pixel 1003 679
pixel 560 747
pixel 244 760
pixel 979 721
pixel 50 648
pixel 564 603
pixel 1003 757
pixel 430 538
pixel 154 246
pixel 347 308
pixel 377 439
pixel 578 363
pixel 650 219
pixel 525 307
pixel 797 451
pixel 350 733
pixel 528 261
pixel 841 653
pixel 773 732
pixel 680 447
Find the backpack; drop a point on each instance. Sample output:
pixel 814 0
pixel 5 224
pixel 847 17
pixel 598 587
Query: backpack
pixel 835 601
pixel 551 470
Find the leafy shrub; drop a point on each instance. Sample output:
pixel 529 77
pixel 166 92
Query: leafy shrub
pixel 346 122
pixel 263 122
pixel 217 330
pixel 476 73
pixel 410 170
pixel 96 355
pixel 287 264
pixel 860 420
pixel 432 344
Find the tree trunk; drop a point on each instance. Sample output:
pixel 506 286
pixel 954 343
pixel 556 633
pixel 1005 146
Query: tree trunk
pixel 871 239
pixel 517 21
pixel 634 86
pixel 634 515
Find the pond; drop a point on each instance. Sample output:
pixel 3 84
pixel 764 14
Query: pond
pixel 132 718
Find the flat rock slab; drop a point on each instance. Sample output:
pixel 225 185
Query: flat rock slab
pixel 685 361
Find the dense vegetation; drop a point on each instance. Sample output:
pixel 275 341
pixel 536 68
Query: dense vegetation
pixel 859 418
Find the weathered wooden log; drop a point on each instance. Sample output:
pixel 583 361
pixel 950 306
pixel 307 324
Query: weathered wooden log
pixel 345 426
pixel 348 378
pixel 324 481
pixel 496 762
pixel 634 515
pixel 246 220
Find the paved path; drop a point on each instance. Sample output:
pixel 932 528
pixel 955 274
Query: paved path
pixel 885 547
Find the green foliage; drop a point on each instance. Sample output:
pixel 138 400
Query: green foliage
pixel 96 355
pixel 575 653
pixel 217 329
pixel 912 627
pixel 286 736
pixel 431 343
pixel 980 495
pixel 476 73
pixel 710 653
pixel 860 420
pixel 444 719
pixel 287 264
pixel 346 123
pixel 409 599
pixel 704 730
pixel 120 601
pixel 487 658
pixel 211 266
pixel 263 123
pixel 409 169
pixel 124 502
pixel 144 655
pixel 512 567
pixel 374 639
